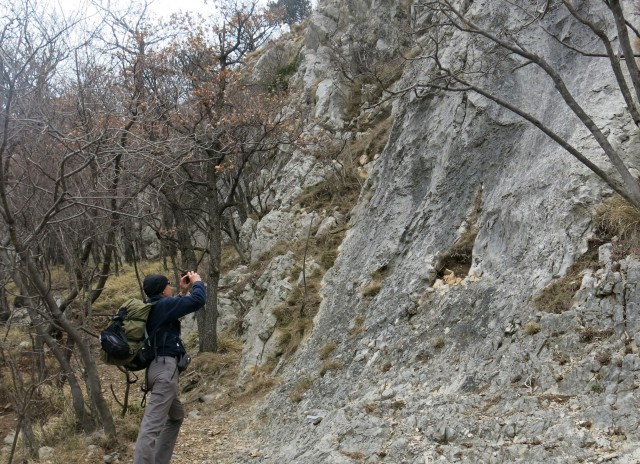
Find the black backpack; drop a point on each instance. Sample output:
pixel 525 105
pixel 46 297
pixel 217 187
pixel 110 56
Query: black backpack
pixel 125 342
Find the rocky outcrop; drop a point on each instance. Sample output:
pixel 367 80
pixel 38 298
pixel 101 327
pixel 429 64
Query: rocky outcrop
pixel 458 365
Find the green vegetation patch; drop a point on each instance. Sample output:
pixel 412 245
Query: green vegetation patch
pixel 280 82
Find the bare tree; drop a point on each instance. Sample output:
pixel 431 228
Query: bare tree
pixel 213 124
pixel 43 167
pixel 527 38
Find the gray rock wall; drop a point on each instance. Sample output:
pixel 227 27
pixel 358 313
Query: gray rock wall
pixel 426 370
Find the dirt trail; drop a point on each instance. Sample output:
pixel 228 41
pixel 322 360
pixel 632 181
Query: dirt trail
pixel 220 431
pixel 214 439
pixel 219 420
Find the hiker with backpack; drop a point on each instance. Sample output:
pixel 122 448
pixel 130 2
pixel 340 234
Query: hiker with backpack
pixel 164 412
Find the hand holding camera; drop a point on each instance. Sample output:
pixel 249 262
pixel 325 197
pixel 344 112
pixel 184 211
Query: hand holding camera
pixel 187 279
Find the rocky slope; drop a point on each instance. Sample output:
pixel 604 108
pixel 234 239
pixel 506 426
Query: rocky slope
pixel 428 345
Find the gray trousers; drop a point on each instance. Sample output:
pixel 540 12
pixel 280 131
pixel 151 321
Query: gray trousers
pixel 163 414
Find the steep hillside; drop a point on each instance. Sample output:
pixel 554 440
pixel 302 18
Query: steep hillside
pixel 435 338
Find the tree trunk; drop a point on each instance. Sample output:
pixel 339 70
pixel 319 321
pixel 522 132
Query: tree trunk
pixel 92 379
pixel 208 318
pixel 42 331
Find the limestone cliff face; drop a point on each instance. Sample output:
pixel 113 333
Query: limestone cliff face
pixel 434 366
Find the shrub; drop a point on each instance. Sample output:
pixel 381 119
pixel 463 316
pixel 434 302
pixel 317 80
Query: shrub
pixel 617 218
pixel 589 334
pixel 531 328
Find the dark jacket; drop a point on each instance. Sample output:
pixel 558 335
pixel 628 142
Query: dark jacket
pixel 163 324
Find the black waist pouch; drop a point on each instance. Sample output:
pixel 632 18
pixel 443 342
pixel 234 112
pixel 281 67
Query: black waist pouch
pixel 183 362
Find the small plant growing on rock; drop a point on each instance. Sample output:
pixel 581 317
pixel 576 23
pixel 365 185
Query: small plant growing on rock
pixel 357 455
pixel 294 296
pixel 328 257
pixel 589 334
pixel 372 289
pixel 386 367
pixel 358 326
pixel 398 404
pixel 327 349
pixel 330 365
pixel 370 407
pixel 561 358
pixel 597 388
pixel 531 328
pixel 617 218
pixel 375 285
pixel 603 358
pixel 438 343
pixel 557 297
pixel 300 388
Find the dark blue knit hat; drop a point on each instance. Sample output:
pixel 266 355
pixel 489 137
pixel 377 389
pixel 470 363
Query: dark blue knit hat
pixel 154 284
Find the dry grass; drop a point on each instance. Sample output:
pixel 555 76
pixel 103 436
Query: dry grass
pixel 372 289
pixel 123 286
pixel 370 407
pixel 558 296
pixel 229 343
pixel 376 141
pixel 329 366
pixel 617 218
pixel 561 358
pixel 301 387
pixel 358 326
pixel 229 259
pixel 438 343
pixel 458 258
pixel 531 328
pixel 375 284
pixel 398 404
pixel 356 455
pixel 334 194
pixel 590 335
pixel 211 364
pixel 327 350
pixel 261 383
pixel 128 425
pixel 295 316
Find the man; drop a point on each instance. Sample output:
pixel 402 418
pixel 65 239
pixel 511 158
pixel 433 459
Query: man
pixel 164 413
